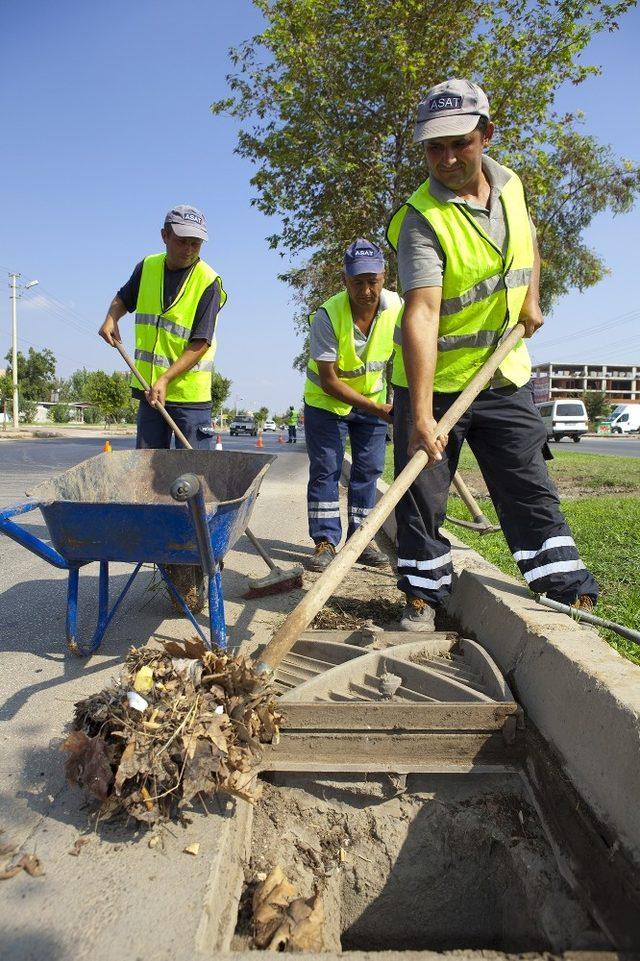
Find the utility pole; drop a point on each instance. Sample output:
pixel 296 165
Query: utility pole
pixel 14 349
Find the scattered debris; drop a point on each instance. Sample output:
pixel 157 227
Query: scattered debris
pixel 282 920
pixel 192 849
pixel 350 613
pixel 206 715
pixel 78 845
pixel 29 863
pixel 389 684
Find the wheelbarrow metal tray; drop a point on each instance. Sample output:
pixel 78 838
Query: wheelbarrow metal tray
pixel 117 506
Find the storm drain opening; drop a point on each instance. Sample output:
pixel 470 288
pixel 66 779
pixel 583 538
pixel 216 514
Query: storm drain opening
pixel 413 862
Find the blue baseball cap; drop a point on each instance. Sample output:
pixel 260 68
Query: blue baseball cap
pixel 363 257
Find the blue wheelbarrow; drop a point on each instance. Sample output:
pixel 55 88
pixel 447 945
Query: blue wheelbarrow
pixel 143 506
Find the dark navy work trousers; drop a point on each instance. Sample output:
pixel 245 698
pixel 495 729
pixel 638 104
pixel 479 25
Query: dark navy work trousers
pixel 326 434
pixel 505 432
pixel 155 434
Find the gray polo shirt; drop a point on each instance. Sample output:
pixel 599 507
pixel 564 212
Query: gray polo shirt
pixel 323 343
pixel 420 256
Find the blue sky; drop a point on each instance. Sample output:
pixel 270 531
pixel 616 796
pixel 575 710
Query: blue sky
pixel 107 125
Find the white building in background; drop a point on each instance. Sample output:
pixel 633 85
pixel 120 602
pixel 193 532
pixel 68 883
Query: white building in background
pixel 620 383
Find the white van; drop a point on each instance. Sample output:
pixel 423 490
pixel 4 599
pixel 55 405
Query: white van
pixel 564 418
pixel 624 419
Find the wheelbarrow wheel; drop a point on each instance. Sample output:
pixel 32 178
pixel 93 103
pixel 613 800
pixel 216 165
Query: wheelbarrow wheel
pixel 188 580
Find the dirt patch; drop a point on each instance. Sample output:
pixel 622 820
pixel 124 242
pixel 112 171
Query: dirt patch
pixel 567 484
pixel 345 613
pixel 436 863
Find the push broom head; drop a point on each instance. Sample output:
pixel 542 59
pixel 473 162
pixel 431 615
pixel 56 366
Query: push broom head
pixel 276 582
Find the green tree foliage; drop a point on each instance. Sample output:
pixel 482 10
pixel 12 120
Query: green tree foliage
pixel 36 374
pixel 220 387
pixel 261 415
pixel 327 95
pixel 27 411
pixel 59 414
pixel 598 407
pixel 74 388
pixel 91 415
pixel 109 393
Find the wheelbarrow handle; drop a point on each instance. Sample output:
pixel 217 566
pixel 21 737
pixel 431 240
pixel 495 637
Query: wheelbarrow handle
pixel 145 386
pixel 20 536
pixel 188 488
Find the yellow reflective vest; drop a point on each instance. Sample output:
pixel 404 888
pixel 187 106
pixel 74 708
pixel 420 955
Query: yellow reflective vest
pixel 162 335
pixel 483 290
pixel 365 374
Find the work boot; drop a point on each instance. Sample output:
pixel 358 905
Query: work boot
pixel 417 615
pixel 373 557
pixel 322 556
pixel 584 603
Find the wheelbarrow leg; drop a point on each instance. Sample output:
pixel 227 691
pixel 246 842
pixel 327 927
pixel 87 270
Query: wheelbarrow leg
pixel 104 614
pixel 182 603
pixel 217 626
pixel 188 489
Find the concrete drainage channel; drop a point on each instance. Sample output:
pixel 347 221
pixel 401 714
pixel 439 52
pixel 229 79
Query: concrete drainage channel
pixel 449 863
pixel 425 826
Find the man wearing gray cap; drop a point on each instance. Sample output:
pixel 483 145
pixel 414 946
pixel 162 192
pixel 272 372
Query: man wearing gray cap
pixel 469 269
pixel 176 298
pixel 351 342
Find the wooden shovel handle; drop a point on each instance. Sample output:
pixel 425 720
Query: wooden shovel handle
pixel 145 386
pixel 302 615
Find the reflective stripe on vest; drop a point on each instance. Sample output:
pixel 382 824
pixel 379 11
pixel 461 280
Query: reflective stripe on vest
pixel 163 335
pixel 364 374
pixel 482 289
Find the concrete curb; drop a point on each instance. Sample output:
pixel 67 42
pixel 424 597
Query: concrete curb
pixel 582 696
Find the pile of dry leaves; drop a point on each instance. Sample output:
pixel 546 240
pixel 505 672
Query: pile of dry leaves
pixel 284 921
pixel 180 722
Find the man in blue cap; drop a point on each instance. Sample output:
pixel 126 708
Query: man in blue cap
pixel 345 395
pixel 176 297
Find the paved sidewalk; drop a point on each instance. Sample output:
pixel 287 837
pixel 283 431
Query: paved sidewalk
pixel 118 899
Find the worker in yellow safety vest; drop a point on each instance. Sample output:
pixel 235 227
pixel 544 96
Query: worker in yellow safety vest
pixel 351 341
pixel 292 425
pixel 176 297
pixel 469 269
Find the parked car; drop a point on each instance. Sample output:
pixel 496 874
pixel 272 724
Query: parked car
pixel 564 418
pixel 624 419
pixel 270 425
pixel 243 424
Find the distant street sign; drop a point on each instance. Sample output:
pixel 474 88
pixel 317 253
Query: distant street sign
pixel 541 389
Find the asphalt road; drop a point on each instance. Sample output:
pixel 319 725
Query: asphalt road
pixel 25 463
pixel 618 446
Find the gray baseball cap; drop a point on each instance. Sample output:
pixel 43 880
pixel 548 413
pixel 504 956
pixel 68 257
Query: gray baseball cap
pixel 187 221
pixel 450 108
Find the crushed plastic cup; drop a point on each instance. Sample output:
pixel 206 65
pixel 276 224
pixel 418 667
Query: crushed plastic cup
pixel 136 702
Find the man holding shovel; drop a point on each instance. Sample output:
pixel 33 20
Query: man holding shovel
pixel 469 270
pixel 176 298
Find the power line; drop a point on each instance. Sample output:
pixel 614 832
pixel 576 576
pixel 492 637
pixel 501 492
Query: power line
pixel 599 328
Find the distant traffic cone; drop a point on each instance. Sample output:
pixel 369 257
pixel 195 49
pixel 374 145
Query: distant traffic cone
pixel 107 446
pixel 219 442
pixel 259 442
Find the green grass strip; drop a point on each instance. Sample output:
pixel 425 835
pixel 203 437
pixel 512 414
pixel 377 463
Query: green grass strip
pixel 606 529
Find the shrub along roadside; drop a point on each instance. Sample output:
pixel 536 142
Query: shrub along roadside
pixel 606 529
